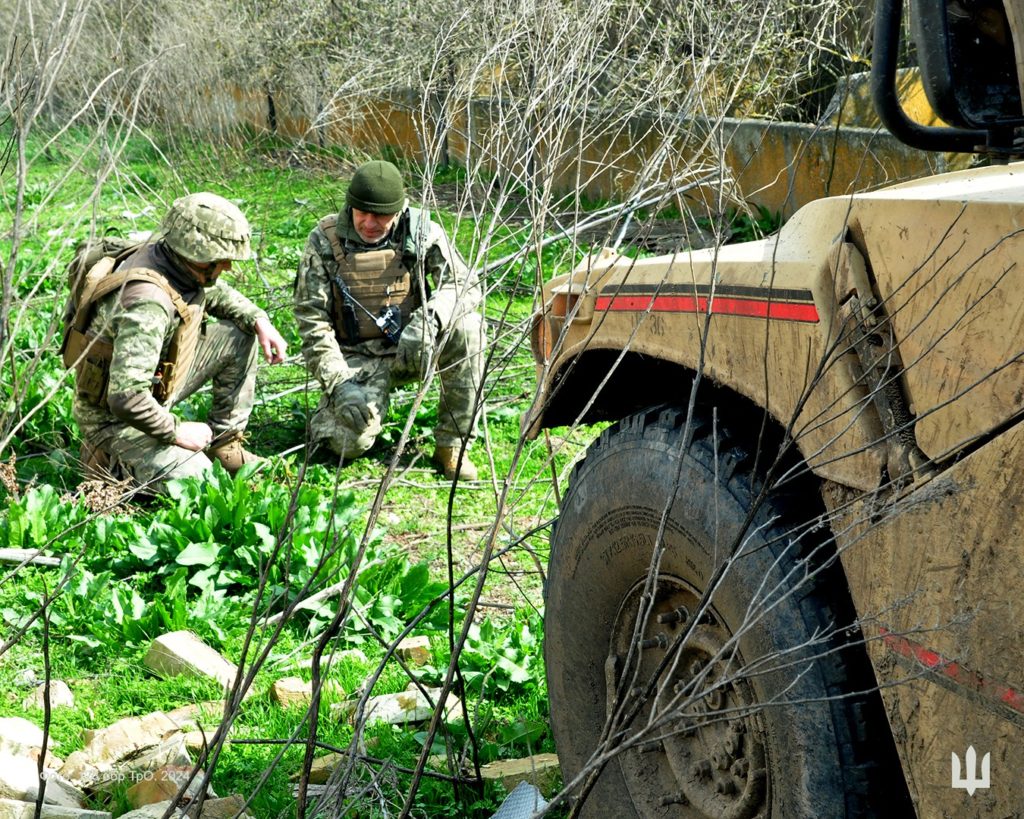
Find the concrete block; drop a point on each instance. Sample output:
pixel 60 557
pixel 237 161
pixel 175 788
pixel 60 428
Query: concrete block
pixel 398 709
pixel 162 785
pixel 541 770
pixel 19 780
pixel 15 809
pixel 414 650
pixel 60 696
pixel 183 653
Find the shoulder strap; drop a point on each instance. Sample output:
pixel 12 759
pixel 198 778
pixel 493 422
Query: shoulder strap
pixel 112 281
pixel 329 225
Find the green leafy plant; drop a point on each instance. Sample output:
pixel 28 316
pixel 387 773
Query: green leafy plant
pixel 504 657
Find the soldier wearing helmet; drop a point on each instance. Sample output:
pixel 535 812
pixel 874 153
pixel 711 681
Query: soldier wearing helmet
pixel 383 299
pixel 155 349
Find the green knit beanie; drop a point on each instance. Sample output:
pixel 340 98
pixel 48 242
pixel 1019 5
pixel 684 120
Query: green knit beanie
pixel 376 187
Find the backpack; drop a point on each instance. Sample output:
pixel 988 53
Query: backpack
pixel 85 274
pixel 91 276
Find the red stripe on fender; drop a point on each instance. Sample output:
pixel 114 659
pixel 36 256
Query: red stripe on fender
pixel 951 669
pixel 720 305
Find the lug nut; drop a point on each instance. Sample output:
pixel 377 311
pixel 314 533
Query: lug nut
pixel 701 770
pixel 740 768
pixel 658 641
pixel 721 759
pixel 733 744
pixel 726 787
pixel 677 615
pixel 675 799
pixel 714 699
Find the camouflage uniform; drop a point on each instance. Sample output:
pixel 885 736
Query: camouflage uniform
pixel 132 426
pixel 449 318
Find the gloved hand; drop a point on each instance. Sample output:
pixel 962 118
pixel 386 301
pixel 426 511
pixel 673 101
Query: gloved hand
pixel 418 343
pixel 352 405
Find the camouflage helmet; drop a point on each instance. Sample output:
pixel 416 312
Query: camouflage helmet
pixel 204 228
pixel 376 187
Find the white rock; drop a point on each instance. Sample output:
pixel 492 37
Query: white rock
pixel 19 779
pixel 541 770
pixel 400 708
pixel 20 737
pixel 154 811
pixel 414 650
pixel 13 809
pixel 60 696
pixel 183 653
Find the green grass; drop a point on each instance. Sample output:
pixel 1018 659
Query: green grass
pixel 135 580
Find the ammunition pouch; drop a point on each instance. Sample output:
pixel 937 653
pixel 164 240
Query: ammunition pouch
pixel 163 381
pixel 90 356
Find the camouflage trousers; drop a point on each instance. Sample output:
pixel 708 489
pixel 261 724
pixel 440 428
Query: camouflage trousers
pixel 377 370
pixel 226 356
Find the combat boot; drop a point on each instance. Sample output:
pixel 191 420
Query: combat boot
pixel 95 462
pixel 232 455
pixel 447 458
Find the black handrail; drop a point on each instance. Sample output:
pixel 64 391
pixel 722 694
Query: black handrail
pixel 888 15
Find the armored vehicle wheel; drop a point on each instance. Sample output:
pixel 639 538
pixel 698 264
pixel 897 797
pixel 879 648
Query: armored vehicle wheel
pixel 760 711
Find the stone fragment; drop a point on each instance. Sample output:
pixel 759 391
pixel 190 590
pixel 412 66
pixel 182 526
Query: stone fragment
pixel 154 811
pixel 149 740
pixel 291 691
pixel 109 745
pixel 322 768
pixel 19 779
pixel 541 770
pixel 397 709
pixel 227 808
pixel 438 762
pixel 20 737
pixel 414 650
pixel 15 809
pixel 26 678
pixel 183 653
pixel 203 738
pixel 163 784
pixel 198 714
pixel 60 696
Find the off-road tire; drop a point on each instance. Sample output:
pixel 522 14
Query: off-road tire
pixel 800 733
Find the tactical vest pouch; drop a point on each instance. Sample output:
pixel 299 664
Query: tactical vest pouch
pixel 376 282
pixel 184 345
pixel 91 358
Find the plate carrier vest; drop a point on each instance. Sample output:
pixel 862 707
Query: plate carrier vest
pixel 374 278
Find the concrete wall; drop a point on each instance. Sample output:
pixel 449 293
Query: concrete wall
pixel 780 166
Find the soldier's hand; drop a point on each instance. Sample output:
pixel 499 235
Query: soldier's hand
pixel 352 405
pixel 193 435
pixel 272 342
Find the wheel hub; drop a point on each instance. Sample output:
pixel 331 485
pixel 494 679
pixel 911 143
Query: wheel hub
pixel 703 748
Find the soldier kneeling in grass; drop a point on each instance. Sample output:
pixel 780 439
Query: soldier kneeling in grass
pixel 383 299
pixel 137 338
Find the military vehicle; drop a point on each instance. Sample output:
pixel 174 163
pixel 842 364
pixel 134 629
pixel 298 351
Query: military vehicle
pixel 787 580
